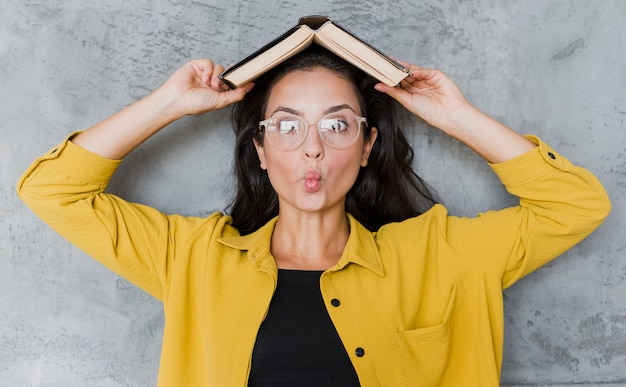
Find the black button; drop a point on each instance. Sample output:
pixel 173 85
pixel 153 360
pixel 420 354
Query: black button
pixel 359 352
pixel 552 156
pixel 335 302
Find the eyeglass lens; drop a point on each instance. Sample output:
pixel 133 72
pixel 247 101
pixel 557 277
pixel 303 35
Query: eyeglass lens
pixel 288 131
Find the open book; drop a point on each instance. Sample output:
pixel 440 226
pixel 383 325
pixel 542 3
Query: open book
pixel 323 31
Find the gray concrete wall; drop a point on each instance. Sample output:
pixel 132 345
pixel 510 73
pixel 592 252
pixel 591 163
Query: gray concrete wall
pixel 554 68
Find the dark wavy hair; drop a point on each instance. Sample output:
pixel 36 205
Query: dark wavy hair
pixel 386 190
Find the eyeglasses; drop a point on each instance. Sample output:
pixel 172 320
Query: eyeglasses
pixel 288 131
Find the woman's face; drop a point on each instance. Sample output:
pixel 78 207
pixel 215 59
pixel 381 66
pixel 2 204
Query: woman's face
pixel 313 177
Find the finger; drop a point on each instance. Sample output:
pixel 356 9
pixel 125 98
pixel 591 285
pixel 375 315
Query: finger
pixel 430 77
pixel 216 82
pixel 231 96
pixel 394 92
pixel 203 69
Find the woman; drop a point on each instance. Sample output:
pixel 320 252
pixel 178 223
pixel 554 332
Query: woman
pixel 336 267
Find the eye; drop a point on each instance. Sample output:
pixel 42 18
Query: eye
pixel 334 124
pixel 288 126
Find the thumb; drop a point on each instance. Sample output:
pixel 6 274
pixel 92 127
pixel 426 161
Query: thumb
pixel 231 96
pixel 395 92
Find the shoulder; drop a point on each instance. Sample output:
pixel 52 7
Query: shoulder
pixel 215 225
pixel 433 219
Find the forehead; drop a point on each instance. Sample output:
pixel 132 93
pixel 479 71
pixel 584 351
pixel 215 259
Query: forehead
pixel 310 92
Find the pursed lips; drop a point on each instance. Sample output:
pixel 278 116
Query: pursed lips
pixel 312 179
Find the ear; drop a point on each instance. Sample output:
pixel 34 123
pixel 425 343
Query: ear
pixel 369 144
pixel 260 151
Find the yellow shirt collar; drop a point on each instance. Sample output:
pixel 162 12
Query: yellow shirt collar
pixel 361 248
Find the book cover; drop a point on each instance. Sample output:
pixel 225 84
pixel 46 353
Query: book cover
pixel 323 31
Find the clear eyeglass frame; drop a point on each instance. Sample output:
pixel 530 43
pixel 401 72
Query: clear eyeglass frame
pixel 325 125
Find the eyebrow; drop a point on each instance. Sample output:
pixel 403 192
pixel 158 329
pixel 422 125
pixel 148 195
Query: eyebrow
pixel 331 109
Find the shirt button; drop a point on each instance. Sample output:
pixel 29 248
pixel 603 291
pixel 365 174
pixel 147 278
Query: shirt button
pixel 335 302
pixel 360 352
pixel 552 156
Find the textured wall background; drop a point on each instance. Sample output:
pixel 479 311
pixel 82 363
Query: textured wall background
pixel 555 68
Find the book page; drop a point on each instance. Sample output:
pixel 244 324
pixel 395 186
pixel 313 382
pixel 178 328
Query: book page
pixel 291 45
pixel 359 54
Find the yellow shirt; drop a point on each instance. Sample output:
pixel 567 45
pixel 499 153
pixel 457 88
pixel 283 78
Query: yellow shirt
pixel 420 302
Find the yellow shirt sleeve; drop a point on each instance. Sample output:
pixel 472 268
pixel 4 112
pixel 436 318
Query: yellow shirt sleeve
pixel 65 188
pixel 559 205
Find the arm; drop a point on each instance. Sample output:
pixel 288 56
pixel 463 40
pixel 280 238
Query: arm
pixel 195 88
pixel 65 187
pixel 560 203
pixel 432 96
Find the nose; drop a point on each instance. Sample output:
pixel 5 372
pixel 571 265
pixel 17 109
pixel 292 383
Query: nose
pixel 313 147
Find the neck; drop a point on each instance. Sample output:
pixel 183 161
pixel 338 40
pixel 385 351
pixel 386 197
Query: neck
pixel 309 241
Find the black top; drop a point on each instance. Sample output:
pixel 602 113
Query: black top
pixel 297 344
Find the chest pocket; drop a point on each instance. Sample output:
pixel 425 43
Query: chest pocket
pixel 426 349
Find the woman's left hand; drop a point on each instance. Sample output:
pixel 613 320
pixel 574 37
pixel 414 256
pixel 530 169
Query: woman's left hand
pixel 427 93
pixel 432 96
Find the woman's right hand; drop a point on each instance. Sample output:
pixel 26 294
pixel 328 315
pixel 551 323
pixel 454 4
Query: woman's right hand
pixel 196 88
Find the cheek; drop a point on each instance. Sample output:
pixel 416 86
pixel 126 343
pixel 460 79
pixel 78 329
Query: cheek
pixel 279 166
pixel 347 165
